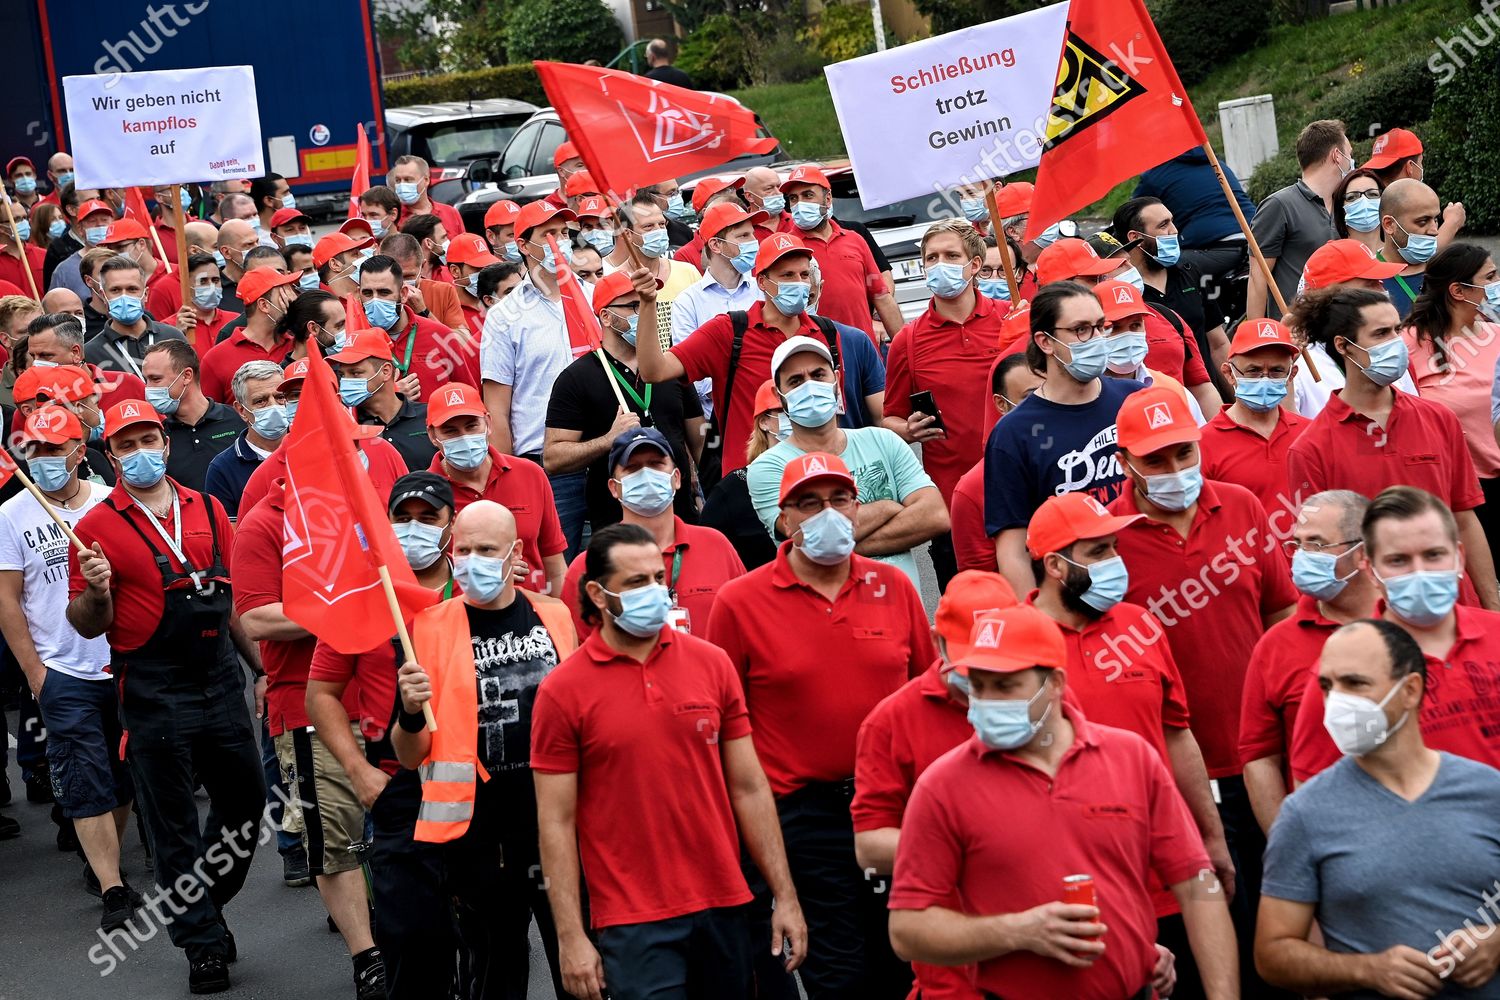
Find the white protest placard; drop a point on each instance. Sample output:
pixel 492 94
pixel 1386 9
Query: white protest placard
pixel 962 107
pixel 164 126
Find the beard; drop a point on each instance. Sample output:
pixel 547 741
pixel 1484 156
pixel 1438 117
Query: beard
pixel 1074 586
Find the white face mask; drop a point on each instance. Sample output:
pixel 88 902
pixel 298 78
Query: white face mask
pixel 1358 724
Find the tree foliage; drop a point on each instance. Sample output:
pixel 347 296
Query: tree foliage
pixel 573 31
pixel 446 35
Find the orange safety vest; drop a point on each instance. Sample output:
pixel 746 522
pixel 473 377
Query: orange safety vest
pixel 442 643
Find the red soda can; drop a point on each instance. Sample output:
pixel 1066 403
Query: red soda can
pixel 1078 890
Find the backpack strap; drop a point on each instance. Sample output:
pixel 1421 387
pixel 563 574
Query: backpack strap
pixel 831 335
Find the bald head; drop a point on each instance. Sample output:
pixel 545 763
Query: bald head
pixel 1406 195
pixel 484 528
pixel 62 300
pixel 201 234
pixel 760 183
pixel 234 232
pixel 236 206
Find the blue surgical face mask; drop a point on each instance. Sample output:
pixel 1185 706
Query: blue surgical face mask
pixel 807 215
pixel 288 200
pixel 676 209
pixel 602 240
pixel 774 204
pixel 66 177
pixel 1005 723
pixel 219 260
pixel 407 192
pixel 632 324
pixel 1133 277
pixel 1491 304
pixel 1176 491
pixel 160 397
pixel 1316 573
pixel 1088 358
pixel 1127 352
pixel 353 391
pixel 1363 216
pixel 472 285
pixel 1423 597
pixel 973 209
pixel 812 404
pixel 270 422
pixel 656 243
pixel 308 282
pixel 422 543
pixel 827 537
pixel 381 313
pixel 643 610
pixel 291 412
pixel 1260 394
pixel 298 240
pixel 510 253
pixel 783 426
pixel 25 185
pixel 744 257
pixel 50 472
pixel 1419 247
pixel 947 281
pixel 23 230
pixel 126 309
pixel 1108 581
pixel 207 296
pixel 94 235
pixel 1388 361
pixel 377 230
pixel 58 226
pixel 467 451
pixel 549 260
pixel 959 683
pixel 791 297
pixel 481 577
pixel 143 468
pixel 1049 236
pixel 994 288
pixel 1168 250
pixel 647 491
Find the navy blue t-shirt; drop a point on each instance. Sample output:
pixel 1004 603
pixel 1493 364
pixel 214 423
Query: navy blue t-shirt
pixel 864 374
pixel 1402 297
pixel 1042 449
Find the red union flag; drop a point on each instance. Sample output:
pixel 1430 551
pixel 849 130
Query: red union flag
pixel 1118 110
pixel 632 131
pixel 360 182
pixel 336 535
pixel 578 314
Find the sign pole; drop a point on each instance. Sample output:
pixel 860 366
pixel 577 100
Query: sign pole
pixel 182 269
pixel 1003 245
pixel 403 635
pixel 41 498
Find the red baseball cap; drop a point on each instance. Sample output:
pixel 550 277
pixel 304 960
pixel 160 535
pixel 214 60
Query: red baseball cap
pixel 1014 199
pixel 725 214
pixel 1391 146
pixel 124 229
pixel 710 186
pixel 808 173
pixel 564 152
pixel 258 282
pixel 365 344
pixel 358 227
pixel 1120 300
pixel 334 244
pixel 93 205
pixel 594 206
pixel 766 399
pixel 535 213
pixel 1062 520
pixel 1345 260
pixel 11 165
pixel 501 213
pixel 581 183
pixel 63 383
pixel 128 414
pixel 611 287
pixel 282 216
pixel 52 424
pixel 456 399
pixel 1253 334
pixel 1154 418
pixel 815 466
pixel 971 595
pixel 1009 641
pixel 1071 257
pixel 467 248
pixel 775 247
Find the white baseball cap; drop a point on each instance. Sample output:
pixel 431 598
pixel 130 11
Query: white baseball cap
pixel 797 345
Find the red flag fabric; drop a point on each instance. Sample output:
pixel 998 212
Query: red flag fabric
pixel 1118 110
pixel 632 131
pixel 360 182
pixel 135 207
pixel 336 533
pixel 583 326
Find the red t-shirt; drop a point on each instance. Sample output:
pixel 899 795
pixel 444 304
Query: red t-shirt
pixel 708 562
pixel 705 354
pixel 435 353
pixel 522 488
pixel 135 582
pixel 971 546
pixel 1211 591
pixel 116 387
pixel 222 360
pixel 370 694
pixel 453 223
pixel 814 668
pixel 1172 353
pixel 1002 836
pixel 850 277
pixel 1460 712
pixel 953 361
pixel 11 270
pixel 386 466
pixel 644 740
pixel 1282 661
pixel 1422 445
pixel 1233 453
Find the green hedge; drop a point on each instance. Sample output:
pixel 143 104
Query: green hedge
pixel 1397 95
pixel 1202 35
pixel 519 82
pixel 1461 161
pixel 573 32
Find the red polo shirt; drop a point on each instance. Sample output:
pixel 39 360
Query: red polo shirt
pixel 707 562
pixel 813 668
pixel 1171 353
pixel 1460 712
pixel 435 353
pixel 899 739
pixel 644 740
pixel 135 582
pixel 953 361
pixel 851 279
pixel 453 223
pixel 1211 591
pixel 521 487
pixel 1233 453
pixel 1421 445
pixel 11 270
pixel 222 360
pixel 971 546
pixel 1280 665
pixel 474 319
pixel 1002 836
pixel 705 354
pixel 385 467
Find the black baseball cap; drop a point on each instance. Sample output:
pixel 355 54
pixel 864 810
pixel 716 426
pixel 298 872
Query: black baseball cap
pixel 637 437
pixel 428 486
pixel 1105 244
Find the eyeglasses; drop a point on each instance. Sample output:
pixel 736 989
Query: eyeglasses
pixel 1291 545
pixel 1350 197
pixel 994 272
pixel 841 502
pixel 1275 373
pixel 1085 332
pixel 630 307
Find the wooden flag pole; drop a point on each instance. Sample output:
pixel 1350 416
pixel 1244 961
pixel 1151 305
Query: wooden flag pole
pixel 403 635
pixel 41 498
pixel 1003 245
pixel 598 351
pixel 182 270
pixel 1260 259
pixel 10 214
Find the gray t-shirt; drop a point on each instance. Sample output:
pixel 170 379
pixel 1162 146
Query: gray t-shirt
pixel 1289 225
pixel 1383 871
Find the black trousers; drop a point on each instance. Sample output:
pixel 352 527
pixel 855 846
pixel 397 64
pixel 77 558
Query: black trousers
pixel 697 956
pixel 849 949
pixel 944 559
pixel 206 739
pixel 1247 847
